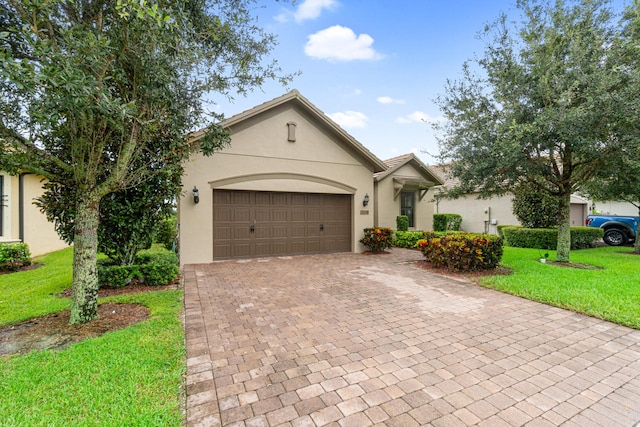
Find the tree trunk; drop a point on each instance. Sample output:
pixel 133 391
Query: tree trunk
pixel 84 289
pixel 564 231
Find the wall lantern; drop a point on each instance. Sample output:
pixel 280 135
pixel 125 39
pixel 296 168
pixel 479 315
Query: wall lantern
pixel 196 195
pixel 365 202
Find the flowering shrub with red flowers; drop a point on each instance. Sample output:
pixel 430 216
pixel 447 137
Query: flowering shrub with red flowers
pixel 462 251
pixel 377 239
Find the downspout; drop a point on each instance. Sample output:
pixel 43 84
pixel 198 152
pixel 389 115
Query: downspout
pixel 21 207
pixel 2 206
pixel 376 203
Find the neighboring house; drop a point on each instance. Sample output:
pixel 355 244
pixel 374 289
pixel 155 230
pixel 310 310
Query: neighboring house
pixel 615 208
pixel 484 215
pixel 291 182
pixel 20 219
pixel 402 190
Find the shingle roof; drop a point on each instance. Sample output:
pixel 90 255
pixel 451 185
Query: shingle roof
pixel 396 163
pixel 448 180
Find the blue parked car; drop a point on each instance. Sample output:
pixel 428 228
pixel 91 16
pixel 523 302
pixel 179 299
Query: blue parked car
pixel 618 230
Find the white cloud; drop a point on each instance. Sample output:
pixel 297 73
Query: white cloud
pixel 308 9
pixel 311 9
pixel 350 119
pixel 417 117
pixel 389 100
pixel 339 43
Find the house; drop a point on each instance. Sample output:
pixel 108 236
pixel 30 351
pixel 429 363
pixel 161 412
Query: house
pixel 20 219
pixel 621 208
pixel 402 190
pixel 484 215
pixel 292 182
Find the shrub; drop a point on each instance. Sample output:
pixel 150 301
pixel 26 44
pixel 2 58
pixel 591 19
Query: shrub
pixel 462 251
pixel 535 208
pixel 14 256
pixel 585 237
pixel 547 238
pixel 156 255
pixel 156 266
pixel 407 239
pixel 167 232
pixel 157 274
pixel 444 222
pixel 499 228
pixel 402 222
pixel 116 276
pixel 377 239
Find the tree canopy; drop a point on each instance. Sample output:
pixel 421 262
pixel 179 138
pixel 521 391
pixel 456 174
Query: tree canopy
pixel 550 102
pixel 97 95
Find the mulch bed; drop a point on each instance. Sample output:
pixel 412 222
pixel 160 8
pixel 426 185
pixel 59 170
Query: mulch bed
pixel 54 331
pixel 25 268
pixel 463 275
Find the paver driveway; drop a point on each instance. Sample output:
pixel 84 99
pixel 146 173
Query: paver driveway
pixel 361 340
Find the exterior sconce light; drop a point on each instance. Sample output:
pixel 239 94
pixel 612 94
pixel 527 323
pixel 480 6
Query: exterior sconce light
pixel 365 202
pixel 196 195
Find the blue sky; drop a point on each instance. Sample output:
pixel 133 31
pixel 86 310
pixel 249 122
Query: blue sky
pixel 374 66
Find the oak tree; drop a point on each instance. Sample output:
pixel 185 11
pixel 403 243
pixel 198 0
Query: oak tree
pixel 546 104
pixel 95 94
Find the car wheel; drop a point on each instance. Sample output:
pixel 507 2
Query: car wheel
pixel 615 237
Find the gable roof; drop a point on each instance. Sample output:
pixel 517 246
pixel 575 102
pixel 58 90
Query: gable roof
pixel 442 171
pixel 294 97
pixel 396 163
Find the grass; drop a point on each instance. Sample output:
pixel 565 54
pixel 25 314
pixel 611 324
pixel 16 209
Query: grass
pixel 128 377
pixel 612 293
pixel 32 293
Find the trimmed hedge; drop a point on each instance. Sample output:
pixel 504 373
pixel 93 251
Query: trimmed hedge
pixel 499 228
pixel 547 238
pixel 407 239
pixel 445 222
pixel 153 267
pixel 377 239
pixel 462 251
pixel 402 222
pixel 14 256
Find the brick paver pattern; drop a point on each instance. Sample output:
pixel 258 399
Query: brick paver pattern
pixel 360 340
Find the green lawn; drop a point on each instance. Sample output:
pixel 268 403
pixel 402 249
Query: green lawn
pixel 612 293
pixel 32 293
pixel 128 377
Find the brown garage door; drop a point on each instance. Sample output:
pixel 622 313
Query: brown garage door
pixel 255 223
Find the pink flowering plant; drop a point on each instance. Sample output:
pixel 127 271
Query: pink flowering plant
pixel 377 239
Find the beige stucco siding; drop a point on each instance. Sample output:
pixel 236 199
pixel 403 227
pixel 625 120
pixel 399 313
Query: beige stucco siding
pixel 261 158
pixel 479 215
pixel 616 208
pixel 39 234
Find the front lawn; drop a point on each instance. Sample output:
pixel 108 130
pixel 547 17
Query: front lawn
pixel 612 293
pixel 132 376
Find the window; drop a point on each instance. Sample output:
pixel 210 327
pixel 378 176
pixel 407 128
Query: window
pixel 407 203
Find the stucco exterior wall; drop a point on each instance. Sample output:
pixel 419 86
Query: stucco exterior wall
pixel 388 208
pixel 261 158
pixel 479 215
pixel 39 234
pixel 616 208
